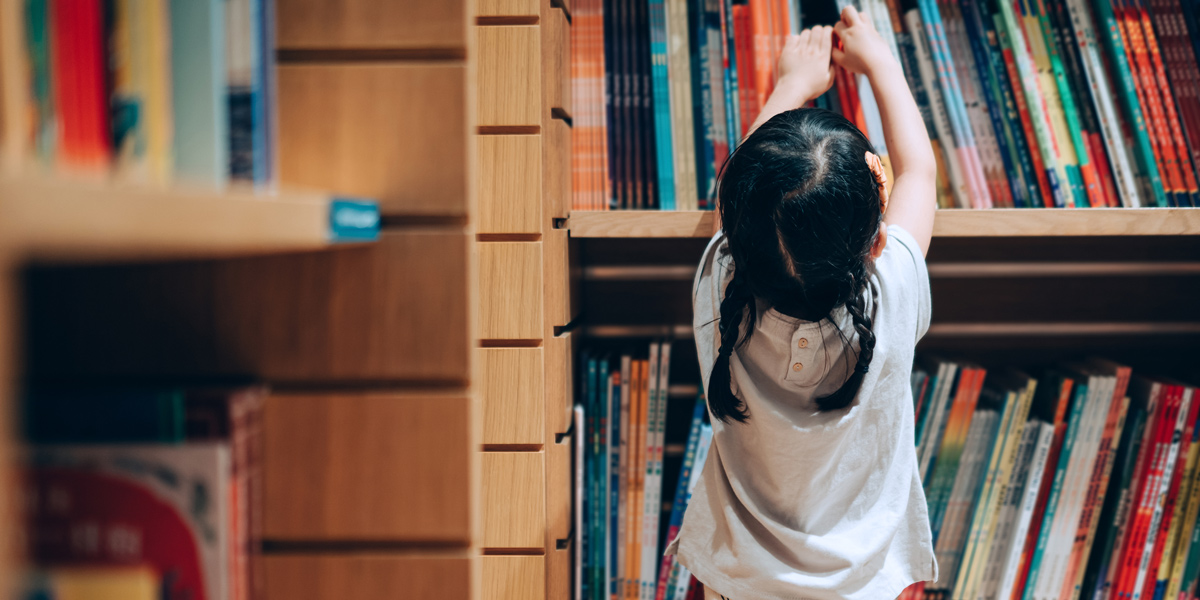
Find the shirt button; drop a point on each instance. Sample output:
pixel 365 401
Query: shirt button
pixel 803 343
pixel 797 367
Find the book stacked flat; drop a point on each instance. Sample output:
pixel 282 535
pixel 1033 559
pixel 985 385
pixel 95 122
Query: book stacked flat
pixel 1031 103
pixel 149 91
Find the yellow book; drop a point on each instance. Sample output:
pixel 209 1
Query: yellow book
pixel 156 25
pixel 102 583
pixel 1187 508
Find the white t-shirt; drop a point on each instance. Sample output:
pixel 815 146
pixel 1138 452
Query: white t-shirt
pixel 798 503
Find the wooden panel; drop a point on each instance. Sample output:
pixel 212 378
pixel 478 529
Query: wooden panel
pixel 510 290
pixel 514 499
pixel 556 162
pixel 556 59
pixel 367 467
pixel 393 132
pixel 509 71
pixel 510 184
pixel 558 572
pixel 559 383
pixel 514 577
pixel 367 577
pixel 371 24
pixel 507 8
pixel 514 409
pixel 361 313
pixel 642 224
pixel 558 490
pixel 556 279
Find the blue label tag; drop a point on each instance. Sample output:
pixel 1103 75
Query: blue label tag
pixel 353 220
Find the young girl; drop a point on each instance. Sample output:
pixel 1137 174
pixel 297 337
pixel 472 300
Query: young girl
pixel 808 305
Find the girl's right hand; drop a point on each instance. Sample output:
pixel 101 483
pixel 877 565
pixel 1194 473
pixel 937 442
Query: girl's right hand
pixel 862 50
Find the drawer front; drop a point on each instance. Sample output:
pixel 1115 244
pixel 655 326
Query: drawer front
pixel 393 132
pixel 358 24
pixel 514 500
pixel 556 59
pixel 513 395
pixel 510 183
pixel 510 75
pixel 367 577
pixel 507 8
pixel 366 313
pixel 558 490
pixel 367 468
pixel 514 577
pixel 510 290
pixel 559 383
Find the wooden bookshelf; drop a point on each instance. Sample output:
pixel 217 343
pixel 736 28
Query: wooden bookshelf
pixel 44 218
pixel 1090 222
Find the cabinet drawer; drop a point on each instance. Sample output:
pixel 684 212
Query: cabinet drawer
pixel 357 24
pixel 556 58
pixel 510 73
pixel 513 395
pixel 367 577
pixel 514 577
pixel 392 132
pixel 510 290
pixel 514 499
pixel 367 468
pixel 510 183
pixel 507 8
pixel 556 164
pixel 559 383
pixel 394 311
pixel 558 490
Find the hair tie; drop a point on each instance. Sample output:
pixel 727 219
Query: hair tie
pixel 725 351
pixel 862 367
pixel 875 164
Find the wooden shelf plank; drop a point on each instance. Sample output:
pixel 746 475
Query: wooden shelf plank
pixel 51 219
pixel 1082 222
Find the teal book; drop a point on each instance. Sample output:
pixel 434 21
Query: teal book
pixel 662 105
pixel 105 417
pixel 198 91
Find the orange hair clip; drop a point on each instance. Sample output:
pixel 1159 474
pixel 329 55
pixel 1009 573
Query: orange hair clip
pixel 876 165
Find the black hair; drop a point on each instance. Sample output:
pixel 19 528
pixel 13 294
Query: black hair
pixel 800 209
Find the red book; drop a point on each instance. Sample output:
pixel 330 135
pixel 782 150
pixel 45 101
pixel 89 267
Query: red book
pixel 1142 507
pixel 1099 155
pixel 744 40
pixel 78 72
pixel 761 34
pixel 1175 476
pixel 1035 153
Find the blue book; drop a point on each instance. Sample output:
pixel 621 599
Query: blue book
pixel 198 91
pixel 733 115
pixel 589 469
pixel 1060 473
pixel 662 106
pixel 244 58
pixel 603 390
pixel 1019 146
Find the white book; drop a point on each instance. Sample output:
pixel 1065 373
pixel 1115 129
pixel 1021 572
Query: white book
pixel 937 106
pixel 1010 507
pixel 1024 518
pixel 654 492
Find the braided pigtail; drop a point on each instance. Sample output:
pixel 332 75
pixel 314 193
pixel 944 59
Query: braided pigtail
pixel 857 307
pixel 737 305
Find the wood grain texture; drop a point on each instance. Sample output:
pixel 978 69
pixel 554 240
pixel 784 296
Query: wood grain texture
pixel 395 311
pixel 514 499
pixel 556 59
pixel 558 572
pixel 366 467
pixel 507 8
pixel 393 132
pixel 513 395
pixel 510 184
pixel 951 223
pixel 509 72
pixel 369 577
pixel 556 163
pixel 559 383
pixel 371 24
pixel 514 577
pixel 510 290
pixel 558 490
pixel 557 279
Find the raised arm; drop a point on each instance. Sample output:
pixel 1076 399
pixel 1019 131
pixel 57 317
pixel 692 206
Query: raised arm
pixel 805 72
pixel 913 199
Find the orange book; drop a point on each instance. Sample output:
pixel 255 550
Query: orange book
pixel 1168 101
pixel 760 29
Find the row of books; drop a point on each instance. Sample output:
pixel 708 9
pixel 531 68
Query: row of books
pixel 624 400
pixel 143 495
pixel 1030 103
pixel 1081 483
pixel 147 90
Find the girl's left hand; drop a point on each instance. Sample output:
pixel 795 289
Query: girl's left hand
pixel 805 66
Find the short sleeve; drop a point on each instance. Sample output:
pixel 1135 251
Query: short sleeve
pixel 904 281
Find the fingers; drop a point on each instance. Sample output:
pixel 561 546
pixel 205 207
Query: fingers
pixel 837 55
pixel 804 37
pixel 850 16
pixel 823 40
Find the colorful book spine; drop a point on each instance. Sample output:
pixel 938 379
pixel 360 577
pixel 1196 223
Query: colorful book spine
pixel 664 142
pixel 681 493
